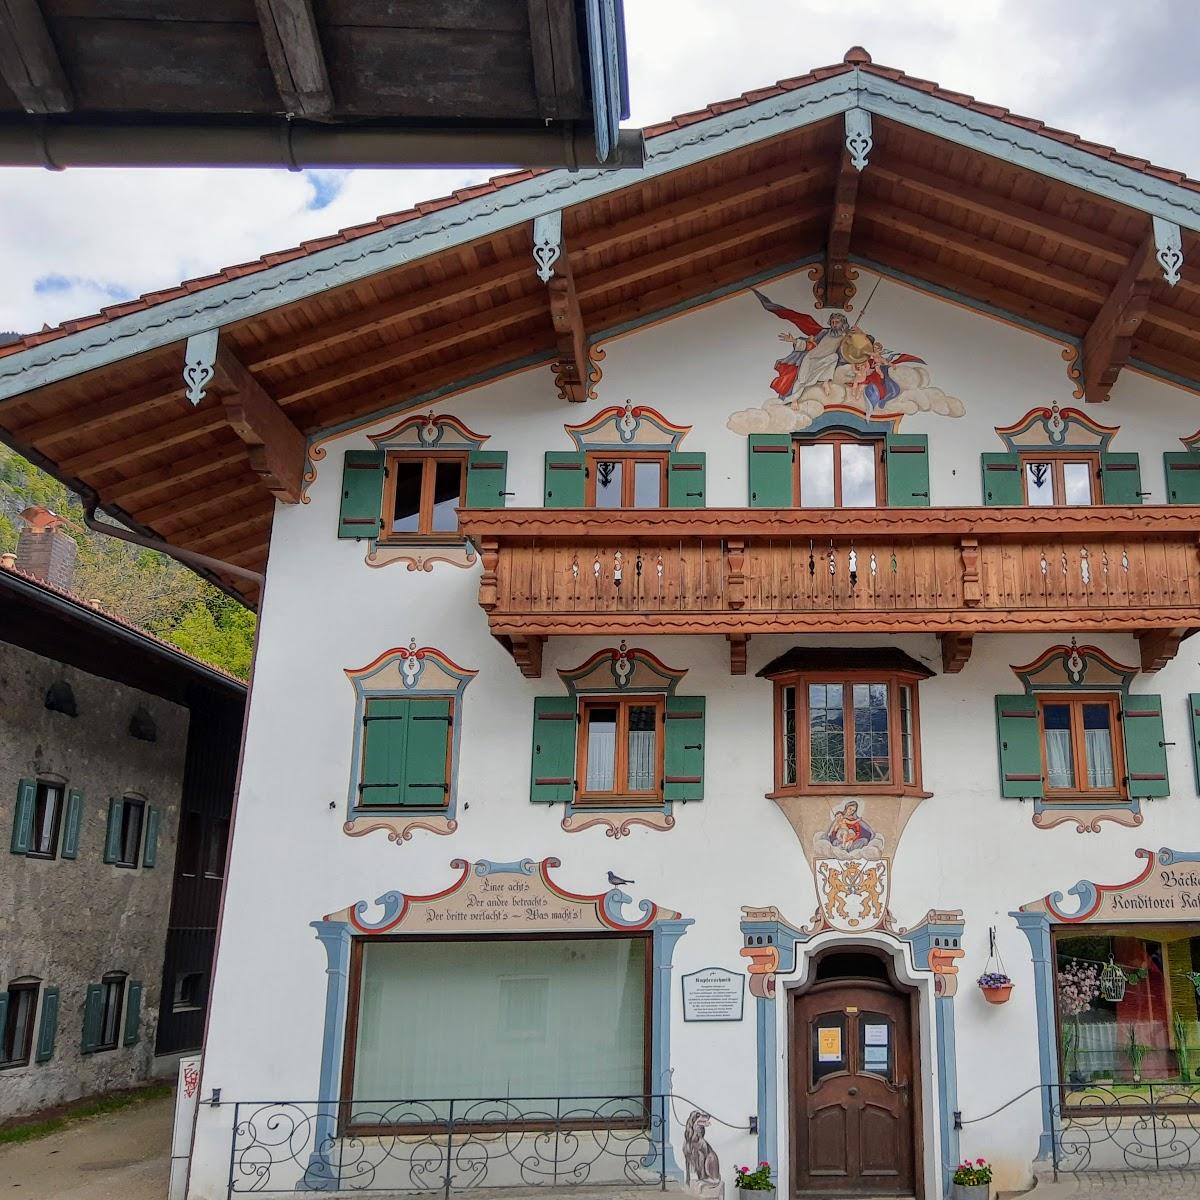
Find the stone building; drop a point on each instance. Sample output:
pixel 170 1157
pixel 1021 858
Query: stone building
pixel 112 816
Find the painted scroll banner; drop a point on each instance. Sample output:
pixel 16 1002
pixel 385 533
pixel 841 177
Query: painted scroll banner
pixel 713 994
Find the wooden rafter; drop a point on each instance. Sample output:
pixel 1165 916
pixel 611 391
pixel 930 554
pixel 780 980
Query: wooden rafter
pixel 124 450
pixel 1159 646
pixel 29 61
pixel 276 448
pixel 573 366
pixel 169 478
pixel 289 30
pixel 835 287
pixel 956 651
pixel 1109 340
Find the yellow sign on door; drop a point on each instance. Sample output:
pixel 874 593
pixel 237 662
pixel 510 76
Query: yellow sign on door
pixel 829 1045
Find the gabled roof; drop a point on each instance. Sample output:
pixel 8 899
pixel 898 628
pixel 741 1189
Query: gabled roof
pixel 1036 226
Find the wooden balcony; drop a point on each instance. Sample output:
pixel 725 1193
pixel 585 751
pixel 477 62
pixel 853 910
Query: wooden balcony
pixel 951 571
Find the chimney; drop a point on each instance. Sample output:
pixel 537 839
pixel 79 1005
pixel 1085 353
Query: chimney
pixel 44 549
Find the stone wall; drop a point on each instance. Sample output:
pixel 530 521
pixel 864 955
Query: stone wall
pixel 68 922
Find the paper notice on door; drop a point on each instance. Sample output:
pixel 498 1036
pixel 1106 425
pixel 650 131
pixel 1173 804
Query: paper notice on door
pixel 875 1035
pixel 875 1057
pixel 829 1045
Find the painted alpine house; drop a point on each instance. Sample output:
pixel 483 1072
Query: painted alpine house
pixel 714 616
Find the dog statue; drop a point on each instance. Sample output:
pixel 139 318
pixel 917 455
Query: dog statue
pixel 702 1168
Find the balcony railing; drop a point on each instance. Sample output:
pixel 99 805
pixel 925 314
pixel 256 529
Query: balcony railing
pixel 737 572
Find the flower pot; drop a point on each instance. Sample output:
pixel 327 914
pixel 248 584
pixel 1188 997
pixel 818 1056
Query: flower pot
pixel 996 995
pixel 972 1191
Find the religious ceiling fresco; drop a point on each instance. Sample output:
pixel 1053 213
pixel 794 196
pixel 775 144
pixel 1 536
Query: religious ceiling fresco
pixel 842 367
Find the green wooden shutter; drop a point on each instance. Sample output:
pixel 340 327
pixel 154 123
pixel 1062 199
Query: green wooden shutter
pixel 566 479
pixel 683 777
pixel 112 834
pixel 552 780
pixel 1002 479
pixel 1120 479
pixel 1183 477
pixel 133 1013
pixel 150 853
pixel 427 754
pixel 22 830
pixel 487 471
pixel 385 737
pixel 363 472
pixel 1145 747
pixel 770 470
pixel 48 1026
pixel 71 823
pixel 1019 739
pixel 906 457
pixel 1194 719
pixel 685 480
pixel 91 1018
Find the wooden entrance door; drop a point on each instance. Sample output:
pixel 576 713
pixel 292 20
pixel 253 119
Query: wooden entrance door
pixel 852 1091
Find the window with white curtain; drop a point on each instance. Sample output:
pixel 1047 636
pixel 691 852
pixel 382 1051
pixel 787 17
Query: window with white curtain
pixel 524 1020
pixel 620 749
pixel 1079 743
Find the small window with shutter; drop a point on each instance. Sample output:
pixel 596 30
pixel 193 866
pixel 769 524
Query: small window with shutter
pixel 406 747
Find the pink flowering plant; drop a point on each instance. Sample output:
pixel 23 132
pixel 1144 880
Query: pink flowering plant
pixel 1078 986
pixel 756 1180
pixel 973 1174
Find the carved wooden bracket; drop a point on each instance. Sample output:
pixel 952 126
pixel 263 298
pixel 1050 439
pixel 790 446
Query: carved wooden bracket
pixel 956 651
pixel 735 559
pixel 574 374
pixel 737 652
pixel 275 447
pixel 972 590
pixel 834 285
pixel 1109 340
pixel 527 653
pixel 1159 646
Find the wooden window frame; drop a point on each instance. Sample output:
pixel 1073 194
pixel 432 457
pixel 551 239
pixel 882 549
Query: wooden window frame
pixel 43 786
pixel 22 1055
pixel 840 439
pixel 1058 487
pixel 128 802
pixel 893 680
pixel 345 1125
pixel 621 766
pixel 594 457
pixel 425 531
pixel 1081 793
pixel 361 808
pixel 119 980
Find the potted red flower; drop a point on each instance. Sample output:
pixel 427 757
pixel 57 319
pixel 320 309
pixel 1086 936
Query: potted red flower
pixel 995 986
pixel 758 1180
pixel 973 1180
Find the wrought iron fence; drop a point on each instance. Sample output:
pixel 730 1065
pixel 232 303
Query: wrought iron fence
pixel 447 1146
pixel 1125 1126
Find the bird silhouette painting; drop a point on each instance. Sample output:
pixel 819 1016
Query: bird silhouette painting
pixel 617 881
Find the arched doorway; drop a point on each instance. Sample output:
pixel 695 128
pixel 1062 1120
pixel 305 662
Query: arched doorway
pixel 854 1079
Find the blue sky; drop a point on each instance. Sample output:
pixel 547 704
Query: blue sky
pixel 75 241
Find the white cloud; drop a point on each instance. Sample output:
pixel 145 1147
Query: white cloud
pixel 1078 64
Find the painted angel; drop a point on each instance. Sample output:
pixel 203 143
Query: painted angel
pixel 816 353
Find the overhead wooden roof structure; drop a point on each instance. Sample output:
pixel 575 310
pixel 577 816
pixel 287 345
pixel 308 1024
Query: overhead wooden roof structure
pixel 853 165
pixel 314 83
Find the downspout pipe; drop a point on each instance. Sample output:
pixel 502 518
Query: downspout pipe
pixel 189 558
pixel 59 142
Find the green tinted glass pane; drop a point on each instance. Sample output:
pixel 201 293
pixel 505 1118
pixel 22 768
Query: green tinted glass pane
pixel 826 733
pixel 789 735
pixel 872 752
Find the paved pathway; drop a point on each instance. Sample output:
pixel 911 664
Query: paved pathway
pixel 119 1156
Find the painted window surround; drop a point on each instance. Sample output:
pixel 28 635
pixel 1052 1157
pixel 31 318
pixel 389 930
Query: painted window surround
pixel 1078 671
pixel 620 672
pixel 336 932
pixel 404 672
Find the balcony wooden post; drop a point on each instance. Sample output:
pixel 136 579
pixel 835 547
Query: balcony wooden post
pixel 735 558
pixel 972 590
pixel 489 555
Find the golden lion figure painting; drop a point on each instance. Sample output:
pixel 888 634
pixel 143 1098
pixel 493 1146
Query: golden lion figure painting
pixel 839 366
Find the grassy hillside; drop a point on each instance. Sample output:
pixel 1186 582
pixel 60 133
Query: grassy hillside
pixel 142 586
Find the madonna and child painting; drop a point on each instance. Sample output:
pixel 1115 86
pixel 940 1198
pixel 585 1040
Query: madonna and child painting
pixel 841 366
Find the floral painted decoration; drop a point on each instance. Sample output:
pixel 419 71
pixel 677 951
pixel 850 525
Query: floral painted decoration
pixel 973 1174
pixel 994 979
pixel 758 1180
pixel 1078 986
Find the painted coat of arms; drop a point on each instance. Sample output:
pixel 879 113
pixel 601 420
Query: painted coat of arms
pixel 852 873
pixel 839 366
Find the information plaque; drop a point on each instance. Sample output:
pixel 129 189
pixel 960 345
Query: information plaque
pixel 713 994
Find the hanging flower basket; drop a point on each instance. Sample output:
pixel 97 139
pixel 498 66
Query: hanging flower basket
pixel 995 986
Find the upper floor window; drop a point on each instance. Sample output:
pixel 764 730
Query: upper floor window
pixel 839 471
pixel 423 494
pixel 112 996
pixel 16 1031
pixel 1082 753
pixel 620 749
pixel 406 750
pixel 131 838
pixel 47 816
pixel 626 480
pixel 1059 479
pixel 46 819
pixel 854 729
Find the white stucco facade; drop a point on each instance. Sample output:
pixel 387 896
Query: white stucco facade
pixel 964 848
